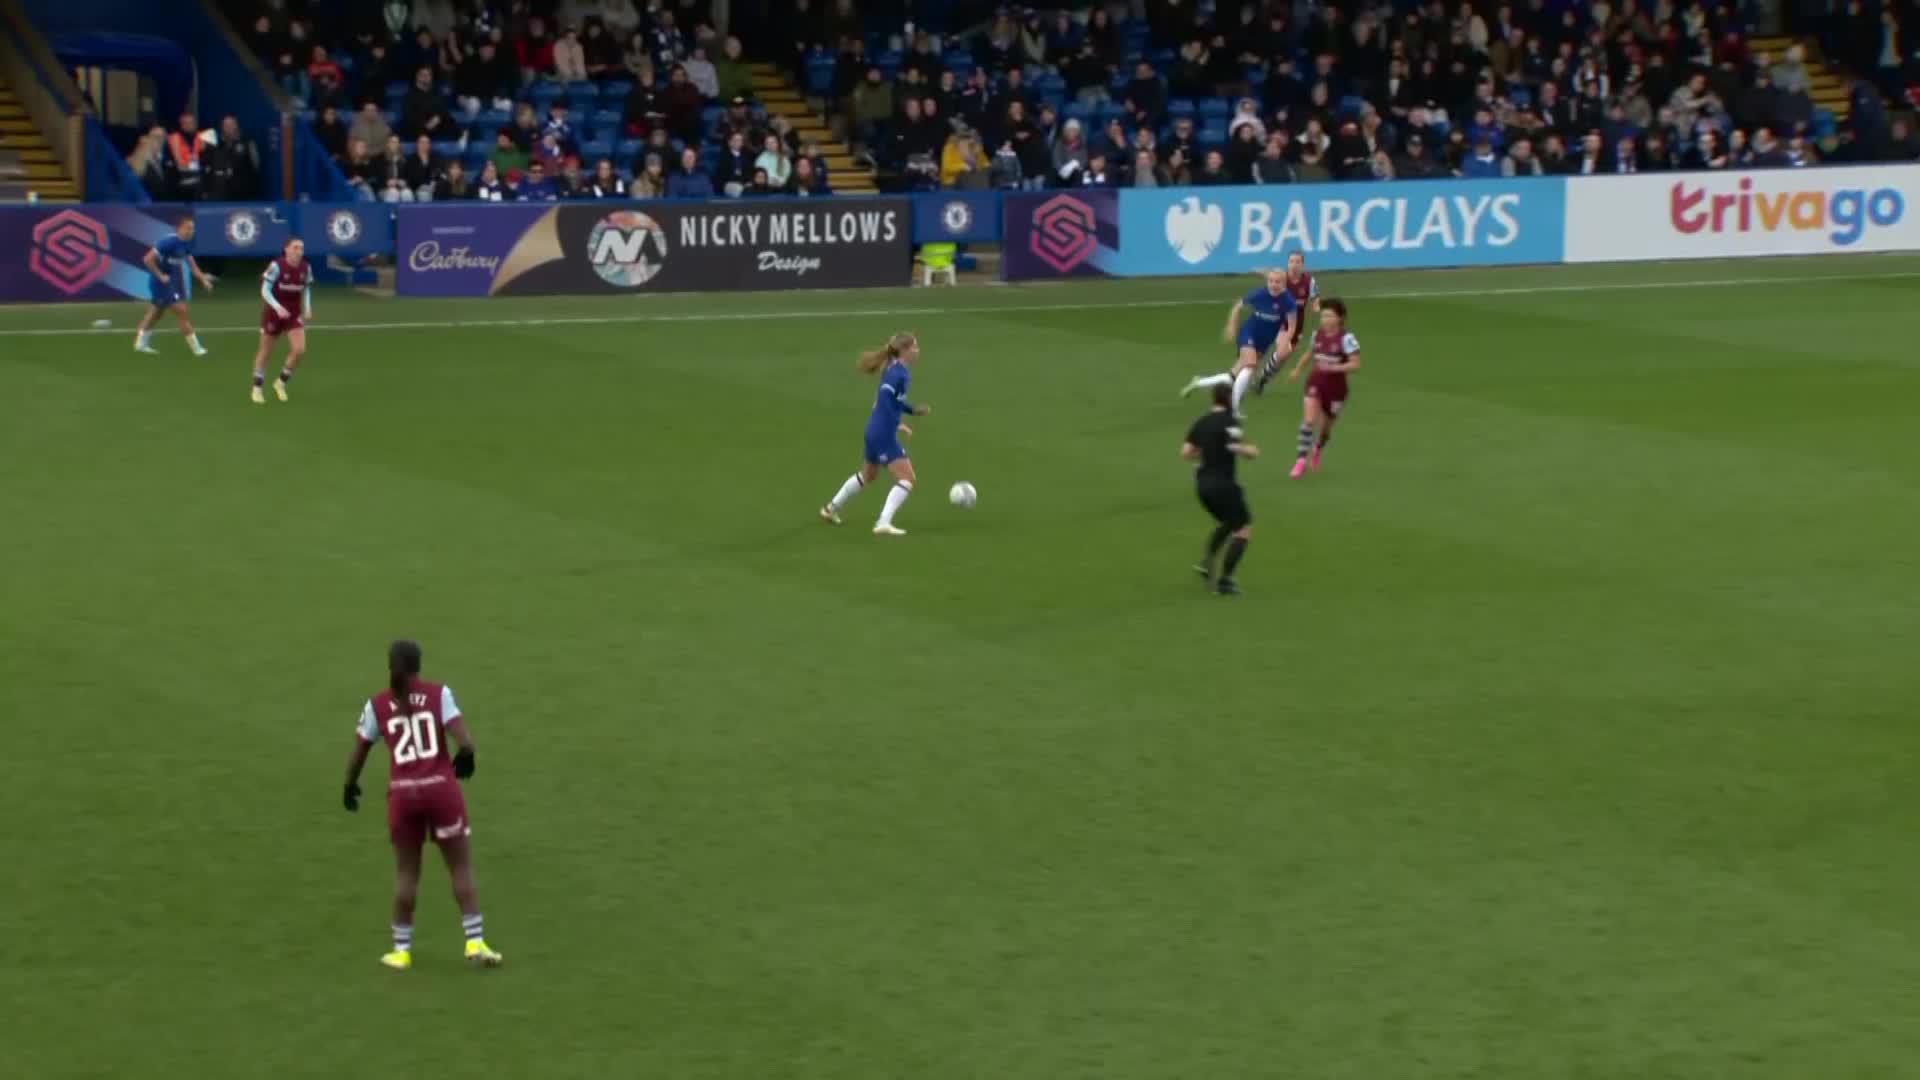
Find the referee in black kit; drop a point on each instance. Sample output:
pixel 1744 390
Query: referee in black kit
pixel 1214 441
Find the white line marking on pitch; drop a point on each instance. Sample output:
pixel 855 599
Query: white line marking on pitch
pixel 984 309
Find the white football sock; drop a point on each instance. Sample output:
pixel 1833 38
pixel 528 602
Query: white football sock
pixel 847 491
pixel 895 498
pixel 1240 384
pixel 193 340
pixel 1207 382
pixel 140 338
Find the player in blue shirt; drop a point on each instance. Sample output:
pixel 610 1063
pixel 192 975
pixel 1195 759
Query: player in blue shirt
pixel 1271 317
pixel 884 428
pixel 168 263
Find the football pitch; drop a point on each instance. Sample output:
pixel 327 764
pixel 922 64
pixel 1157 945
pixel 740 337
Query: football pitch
pixel 1565 729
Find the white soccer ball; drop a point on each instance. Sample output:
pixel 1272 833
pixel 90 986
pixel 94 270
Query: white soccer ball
pixel 962 495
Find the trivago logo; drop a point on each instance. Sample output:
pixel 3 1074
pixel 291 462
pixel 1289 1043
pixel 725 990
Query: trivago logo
pixel 1844 214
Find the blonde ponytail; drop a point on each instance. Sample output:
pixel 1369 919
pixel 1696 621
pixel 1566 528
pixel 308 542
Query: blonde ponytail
pixel 873 361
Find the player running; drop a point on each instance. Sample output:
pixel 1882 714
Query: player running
pixel 1215 442
pixel 287 288
pixel 884 429
pixel 1335 353
pixel 1306 298
pixel 1270 317
pixel 168 262
pixel 423 792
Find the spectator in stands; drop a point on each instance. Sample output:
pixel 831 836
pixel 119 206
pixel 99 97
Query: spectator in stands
pixel 292 78
pixel 1098 173
pixel 668 43
pixel 682 103
pixel 533 49
pixel 602 52
pixel 374 70
pixel 759 187
pixel 644 109
pixel 423 111
pixel 1213 171
pixel 332 132
pixel 701 73
pixel 1005 172
pixel 1521 161
pixel 733 77
pixel 185 147
pixel 421 168
pixel 1146 96
pixel 233 164
pixel 1086 75
pixel 1181 139
pixel 739 117
pixel 1692 101
pixel 608 184
pixel 571 183
pixel 369 126
pixel 962 163
pixel 478 82
pixel 559 124
pixel 1481 163
pixel 638 56
pixel 1902 144
pixel 872 110
pixel 325 76
pixel 734 168
pixel 390 177
pixel 1415 163
pixel 418 52
pixel 1145 172
pixel 361 169
pixel 152 165
pixel 491 187
pixel 1246 114
pixel 453 185
pixel 1708 152
pixel 1028 143
pixel 1244 147
pixel 807 180
pixel 1626 155
pixel 507 156
pixel 689 181
pixel 1791 74
pixel 773 160
pixel 536 186
pixel 569 56
pixel 526 128
pixel 1312 166
pixel 549 153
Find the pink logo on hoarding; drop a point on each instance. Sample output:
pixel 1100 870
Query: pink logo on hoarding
pixel 1064 233
pixel 70 251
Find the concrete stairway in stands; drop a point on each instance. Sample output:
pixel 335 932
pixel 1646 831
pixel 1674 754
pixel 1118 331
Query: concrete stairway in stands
pixel 27 163
pixel 780 97
pixel 1826 85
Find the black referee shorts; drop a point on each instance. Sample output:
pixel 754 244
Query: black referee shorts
pixel 1227 503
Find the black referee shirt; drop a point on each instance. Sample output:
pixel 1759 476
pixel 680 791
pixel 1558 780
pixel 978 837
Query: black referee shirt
pixel 1212 435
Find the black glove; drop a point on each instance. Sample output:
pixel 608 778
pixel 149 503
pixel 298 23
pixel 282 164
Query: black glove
pixel 462 763
pixel 350 798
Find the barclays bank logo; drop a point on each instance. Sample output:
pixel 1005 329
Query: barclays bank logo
pixel 1194 230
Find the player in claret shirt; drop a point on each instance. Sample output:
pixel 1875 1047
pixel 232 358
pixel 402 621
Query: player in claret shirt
pixel 416 718
pixel 287 289
pixel 1335 354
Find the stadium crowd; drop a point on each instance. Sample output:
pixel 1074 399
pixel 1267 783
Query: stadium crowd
pixel 505 101
pixel 1199 94
pixel 189 164
pixel 540 99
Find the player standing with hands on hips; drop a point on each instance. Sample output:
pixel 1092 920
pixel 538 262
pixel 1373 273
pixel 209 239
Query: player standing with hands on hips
pixel 168 262
pixel 884 428
pixel 423 793
pixel 1215 442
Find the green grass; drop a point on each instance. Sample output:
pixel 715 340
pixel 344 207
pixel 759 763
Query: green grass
pixel 1565 729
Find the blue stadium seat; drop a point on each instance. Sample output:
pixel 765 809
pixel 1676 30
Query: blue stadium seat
pixel 1111 111
pixel 1215 108
pixel 1351 105
pixel 819 80
pixel 1520 96
pixel 477 155
pixel 490 121
pixel 392 117
pixel 889 69
pixel 447 148
pixel 1056 99
pixel 1076 111
pixel 607 123
pixel 594 149
pixel 614 93
pixel 627 149
pixel 397 90
pixel 1824 125
pixel 542 95
pixel 1180 107
pixel 583 93
pixel 1161 59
